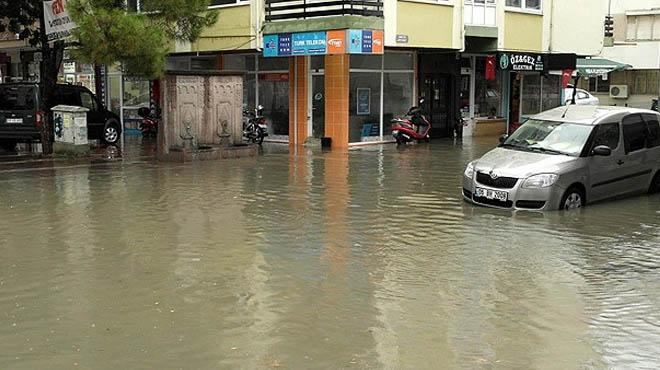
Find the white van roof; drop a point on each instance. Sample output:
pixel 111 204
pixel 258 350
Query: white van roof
pixel 585 114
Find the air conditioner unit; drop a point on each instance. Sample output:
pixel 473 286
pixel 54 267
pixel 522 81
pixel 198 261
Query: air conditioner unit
pixel 619 91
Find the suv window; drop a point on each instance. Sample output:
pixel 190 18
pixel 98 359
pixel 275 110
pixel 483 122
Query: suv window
pixel 608 134
pixel 17 97
pixel 653 130
pixel 634 133
pixel 67 97
pixel 88 101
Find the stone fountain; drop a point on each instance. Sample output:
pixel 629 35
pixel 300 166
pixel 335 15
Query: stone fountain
pixel 202 117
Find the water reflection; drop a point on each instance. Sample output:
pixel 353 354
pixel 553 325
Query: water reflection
pixel 366 259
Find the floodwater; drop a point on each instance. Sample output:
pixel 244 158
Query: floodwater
pixel 365 260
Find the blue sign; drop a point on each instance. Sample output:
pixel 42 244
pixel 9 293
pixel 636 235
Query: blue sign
pixel 367 41
pixel 271 45
pixel 308 43
pixel 284 45
pixel 355 41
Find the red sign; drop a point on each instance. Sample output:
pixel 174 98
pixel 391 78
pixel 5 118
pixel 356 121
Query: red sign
pixel 566 75
pixel 274 77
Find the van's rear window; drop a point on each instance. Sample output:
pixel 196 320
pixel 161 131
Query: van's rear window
pixel 17 97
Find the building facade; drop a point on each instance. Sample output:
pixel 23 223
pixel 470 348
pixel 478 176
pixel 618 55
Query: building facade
pixel 636 42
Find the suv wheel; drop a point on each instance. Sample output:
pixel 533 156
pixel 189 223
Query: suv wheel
pixel 111 133
pixel 573 199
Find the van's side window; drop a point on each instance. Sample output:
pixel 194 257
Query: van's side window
pixel 653 139
pixel 67 97
pixel 634 133
pixel 607 134
pixel 88 101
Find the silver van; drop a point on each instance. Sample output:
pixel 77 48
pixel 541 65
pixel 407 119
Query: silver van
pixel 567 157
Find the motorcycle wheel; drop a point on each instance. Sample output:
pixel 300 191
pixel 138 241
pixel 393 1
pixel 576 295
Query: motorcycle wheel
pixel 399 140
pixel 260 136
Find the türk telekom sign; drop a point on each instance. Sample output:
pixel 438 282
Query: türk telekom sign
pixel 58 22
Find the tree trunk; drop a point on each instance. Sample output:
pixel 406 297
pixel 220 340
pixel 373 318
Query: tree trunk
pixel 51 58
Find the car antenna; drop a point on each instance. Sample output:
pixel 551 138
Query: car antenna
pixel 566 111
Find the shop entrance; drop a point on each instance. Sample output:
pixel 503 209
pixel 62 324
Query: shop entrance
pixel 435 88
pixel 318 105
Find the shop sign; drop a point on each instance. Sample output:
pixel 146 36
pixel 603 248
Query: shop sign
pixel 58 22
pixel 324 43
pixel 69 67
pixel 521 62
pixel 402 39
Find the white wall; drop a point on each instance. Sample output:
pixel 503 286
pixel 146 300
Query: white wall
pixel 640 55
pixel 577 25
pixel 620 6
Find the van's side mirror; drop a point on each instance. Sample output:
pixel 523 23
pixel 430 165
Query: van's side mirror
pixel 503 138
pixel 602 150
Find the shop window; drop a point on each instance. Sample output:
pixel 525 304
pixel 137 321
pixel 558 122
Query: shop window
pixel 397 96
pixel 273 64
pixel 599 84
pixel 364 107
pixel 204 64
pixel 274 97
pixel 488 93
pixel 365 62
pixel 534 5
pixel 539 93
pixel 238 62
pixel 399 61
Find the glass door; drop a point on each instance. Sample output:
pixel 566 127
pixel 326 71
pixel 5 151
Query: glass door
pixel 318 105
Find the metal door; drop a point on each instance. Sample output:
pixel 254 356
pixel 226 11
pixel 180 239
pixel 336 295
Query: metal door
pixel 435 89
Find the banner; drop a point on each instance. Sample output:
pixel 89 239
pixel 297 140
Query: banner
pixel 58 22
pixel 324 43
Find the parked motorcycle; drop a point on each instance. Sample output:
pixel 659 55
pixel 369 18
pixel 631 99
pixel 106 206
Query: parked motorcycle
pixel 149 122
pixel 254 125
pixel 413 127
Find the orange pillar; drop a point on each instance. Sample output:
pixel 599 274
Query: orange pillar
pixel 336 99
pixel 298 100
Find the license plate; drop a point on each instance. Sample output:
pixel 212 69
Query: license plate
pixel 15 120
pixel 491 194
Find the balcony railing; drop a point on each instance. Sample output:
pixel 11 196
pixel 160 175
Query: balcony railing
pixel 303 9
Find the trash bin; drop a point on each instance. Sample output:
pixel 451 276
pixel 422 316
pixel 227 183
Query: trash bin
pixel 70 130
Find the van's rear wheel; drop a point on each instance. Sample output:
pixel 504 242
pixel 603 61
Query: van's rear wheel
pixel 655 184
pixel 8 145
pixel 574 198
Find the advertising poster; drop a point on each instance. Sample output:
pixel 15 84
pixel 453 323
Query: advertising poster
pixel 363 101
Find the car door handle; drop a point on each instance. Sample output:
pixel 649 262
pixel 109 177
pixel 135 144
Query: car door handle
pixel 620 162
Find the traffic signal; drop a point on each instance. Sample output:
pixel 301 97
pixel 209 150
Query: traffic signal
pixel 609 26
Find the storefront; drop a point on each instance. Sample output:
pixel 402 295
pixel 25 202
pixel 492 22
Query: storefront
pixel 534 83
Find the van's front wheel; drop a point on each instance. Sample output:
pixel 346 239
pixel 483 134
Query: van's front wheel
pixel 574 198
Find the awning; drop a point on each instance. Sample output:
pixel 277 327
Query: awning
pixel 598 66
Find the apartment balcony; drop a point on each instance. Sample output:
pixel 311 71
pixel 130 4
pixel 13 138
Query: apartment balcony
pixel 317 15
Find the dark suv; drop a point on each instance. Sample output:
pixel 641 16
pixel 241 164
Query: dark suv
pixel 21 120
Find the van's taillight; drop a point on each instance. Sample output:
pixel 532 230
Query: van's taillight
pixel 39 119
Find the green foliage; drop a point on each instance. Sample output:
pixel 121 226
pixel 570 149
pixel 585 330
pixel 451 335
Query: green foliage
pixel 109 33
pixel 21 16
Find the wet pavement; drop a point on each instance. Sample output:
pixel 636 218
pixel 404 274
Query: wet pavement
pixel 365 260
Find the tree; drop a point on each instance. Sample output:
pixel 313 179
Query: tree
pixel 108 32
pixel 26 18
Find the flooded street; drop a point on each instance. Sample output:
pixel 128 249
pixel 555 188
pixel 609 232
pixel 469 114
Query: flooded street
pixel 365 260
